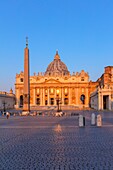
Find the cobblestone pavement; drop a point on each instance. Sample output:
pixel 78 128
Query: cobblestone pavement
pixel 56 143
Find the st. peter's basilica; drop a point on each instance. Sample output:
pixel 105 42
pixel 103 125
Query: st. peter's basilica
pixel 74 90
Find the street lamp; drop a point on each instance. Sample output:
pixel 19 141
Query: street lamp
pixel 58 100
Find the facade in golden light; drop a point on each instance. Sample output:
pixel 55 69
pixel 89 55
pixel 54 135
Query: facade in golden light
pixel 102 97
pixel 56 84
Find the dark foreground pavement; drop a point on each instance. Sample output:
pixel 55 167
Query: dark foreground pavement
pixel 54 143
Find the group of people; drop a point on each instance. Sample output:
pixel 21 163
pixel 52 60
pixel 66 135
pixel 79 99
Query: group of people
pixel 3 113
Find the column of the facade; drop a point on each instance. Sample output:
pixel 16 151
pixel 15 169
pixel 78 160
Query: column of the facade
pixel 69 96
pixel 109 102
pixel 87 98
pixel 17 98
pixel 59 92
pixel 55 96
pixel 77 99
pixel 48 101
pixel 34 96
pixel 100 99
pixel 62 97
pixel 43 97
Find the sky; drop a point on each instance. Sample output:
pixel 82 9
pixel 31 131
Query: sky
pixel 81 31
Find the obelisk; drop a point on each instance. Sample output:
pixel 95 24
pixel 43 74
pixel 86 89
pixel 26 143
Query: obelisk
pixel 26 89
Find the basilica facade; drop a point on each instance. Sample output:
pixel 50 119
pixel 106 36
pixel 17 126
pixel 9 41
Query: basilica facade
pixel 56 87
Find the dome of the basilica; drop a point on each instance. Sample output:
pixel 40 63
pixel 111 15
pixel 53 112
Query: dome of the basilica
pixel 57 67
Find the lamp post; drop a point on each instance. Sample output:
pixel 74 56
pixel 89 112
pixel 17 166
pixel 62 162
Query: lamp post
pixel 58 100
pixel 58 104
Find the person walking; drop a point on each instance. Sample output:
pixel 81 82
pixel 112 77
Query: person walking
pixel 7 115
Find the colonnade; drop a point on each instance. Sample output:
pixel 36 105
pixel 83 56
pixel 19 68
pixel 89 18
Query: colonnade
pixel 66 95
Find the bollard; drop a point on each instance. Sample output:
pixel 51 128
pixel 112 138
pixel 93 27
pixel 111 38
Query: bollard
pixel 93 119
pixel 99 120
pixel 81 121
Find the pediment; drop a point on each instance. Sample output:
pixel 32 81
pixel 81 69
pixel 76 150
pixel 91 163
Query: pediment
pixel 52 81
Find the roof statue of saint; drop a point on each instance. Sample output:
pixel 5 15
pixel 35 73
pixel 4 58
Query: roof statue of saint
pixel 56 67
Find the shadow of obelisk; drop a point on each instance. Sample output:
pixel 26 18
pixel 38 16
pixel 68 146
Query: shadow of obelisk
pixel 26 89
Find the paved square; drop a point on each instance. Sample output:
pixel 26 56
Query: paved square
pixel 56 143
